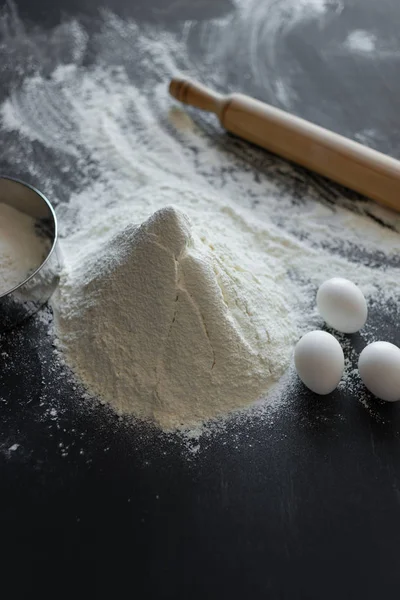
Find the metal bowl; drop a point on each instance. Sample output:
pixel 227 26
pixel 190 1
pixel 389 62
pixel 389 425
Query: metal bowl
pixel 22 301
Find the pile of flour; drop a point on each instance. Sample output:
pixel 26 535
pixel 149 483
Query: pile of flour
pixel 162 326
pixel 22 250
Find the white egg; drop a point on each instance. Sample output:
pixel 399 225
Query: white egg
pixel 379 368
pixel 319 361
pixel 342 305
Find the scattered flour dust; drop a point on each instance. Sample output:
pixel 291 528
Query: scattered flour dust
pixel 361 41
pixel 22 250
pixel 191 265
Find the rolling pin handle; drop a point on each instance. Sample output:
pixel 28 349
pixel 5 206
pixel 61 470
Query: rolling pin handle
pixel 197 95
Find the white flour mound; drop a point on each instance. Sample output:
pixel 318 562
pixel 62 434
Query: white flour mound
pixel 22 250
pixel 161 326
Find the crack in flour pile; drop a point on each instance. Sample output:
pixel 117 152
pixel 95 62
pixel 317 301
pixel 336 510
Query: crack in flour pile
pixel 191 265
pixel 161 326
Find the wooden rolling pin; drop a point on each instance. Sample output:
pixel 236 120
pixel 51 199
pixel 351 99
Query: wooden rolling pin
pixel 360 168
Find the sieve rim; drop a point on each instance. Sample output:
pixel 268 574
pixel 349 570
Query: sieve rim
pixel 52 238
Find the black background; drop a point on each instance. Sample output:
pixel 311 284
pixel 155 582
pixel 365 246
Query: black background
pixel 306 505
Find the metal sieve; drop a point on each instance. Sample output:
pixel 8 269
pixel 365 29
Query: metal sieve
pixel 23 300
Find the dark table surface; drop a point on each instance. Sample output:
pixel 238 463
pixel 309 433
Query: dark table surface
pixel 305 507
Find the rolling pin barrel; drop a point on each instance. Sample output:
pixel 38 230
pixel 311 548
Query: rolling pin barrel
pixel 345 161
